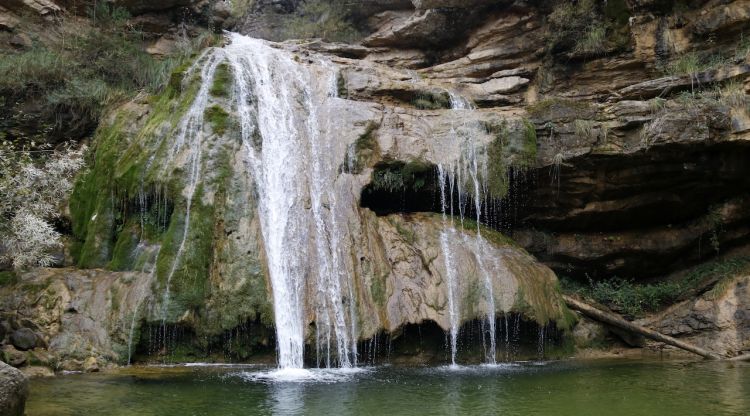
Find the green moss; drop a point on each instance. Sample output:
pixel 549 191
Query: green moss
pixel 124 252
pixel 378 290
pixel 513 147
pixel 8 278
pixel 407 234
pixel 472 296
pixel 218 118
pixel 341 88
pixel 366 149
pixel 222 81
pixel 496 237
pixel 189 282
pixel 176 77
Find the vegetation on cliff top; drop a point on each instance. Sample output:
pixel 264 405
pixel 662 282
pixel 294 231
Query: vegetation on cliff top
pixel 78 72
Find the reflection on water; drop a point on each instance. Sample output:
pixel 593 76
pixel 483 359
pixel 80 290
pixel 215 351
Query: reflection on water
pixel 558 388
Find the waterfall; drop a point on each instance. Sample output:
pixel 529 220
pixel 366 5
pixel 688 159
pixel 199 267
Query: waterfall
pixel 446 236
pixel 471 168
pixel 289 144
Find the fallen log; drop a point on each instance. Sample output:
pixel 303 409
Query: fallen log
pixel 744 357
pixel 614 320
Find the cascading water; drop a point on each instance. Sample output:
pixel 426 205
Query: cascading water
pixel 446 236
pixel 289 151
pixel 190 136
pixel 470 167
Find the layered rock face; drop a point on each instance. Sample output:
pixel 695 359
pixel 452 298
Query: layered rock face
pixel 613 137
pixel 179 190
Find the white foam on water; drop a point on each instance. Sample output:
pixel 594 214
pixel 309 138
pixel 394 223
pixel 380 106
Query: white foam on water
pixel 304 375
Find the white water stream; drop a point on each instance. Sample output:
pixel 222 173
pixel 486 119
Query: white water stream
pixel 289 152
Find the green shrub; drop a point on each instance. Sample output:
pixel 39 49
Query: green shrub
pixel 627 297
pixel 593 41
pixel 326 19
pixel 588 27
pixel 72 80
pixel 635 299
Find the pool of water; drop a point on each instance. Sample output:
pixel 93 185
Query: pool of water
pixel 623 387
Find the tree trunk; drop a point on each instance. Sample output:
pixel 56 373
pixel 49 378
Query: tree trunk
pixel 612 319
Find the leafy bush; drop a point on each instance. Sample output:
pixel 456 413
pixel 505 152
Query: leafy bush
pixel 326 19
pixel 594 40
pixel 33 189
pixel 588 27
pixel 75 78
pixel 635 299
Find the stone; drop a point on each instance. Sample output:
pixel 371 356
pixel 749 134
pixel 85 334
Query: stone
pixel 21 41
pixel 44 8
pixel 13 357
pixel 40 356
pixel 221 10
pixel 8 22
pixel 24 339
pixel 91 365
pixel 588 333
pixel 14 390
pixel 37 371
pixel 718 321
pixel 162 47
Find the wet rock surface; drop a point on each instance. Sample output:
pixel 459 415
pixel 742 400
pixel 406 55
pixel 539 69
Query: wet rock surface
pixel 638 168
pixel 14 389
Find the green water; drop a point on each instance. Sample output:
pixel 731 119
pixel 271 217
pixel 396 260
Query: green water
pixel 557 388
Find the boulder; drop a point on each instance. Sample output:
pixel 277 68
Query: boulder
pixel 24 339
pixel 21 41
pixel 41 7
pixel 588 333
pixel 13 357
pixel 37 371
pixel 91 365
pixel 14 389
pixel 8 22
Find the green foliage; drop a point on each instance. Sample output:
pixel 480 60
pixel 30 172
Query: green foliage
pixel 431 101
pixel 33 185
pixel 512 147
pixel 8 278
pixel 218 118
pixel 627 297
pixel 364 151
pixel 326 19
pixel 694 62
pixel 74 79
pixel 593 41
pixel 588 27
pixel 222 81
pixel 634 299
pixel 400 176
